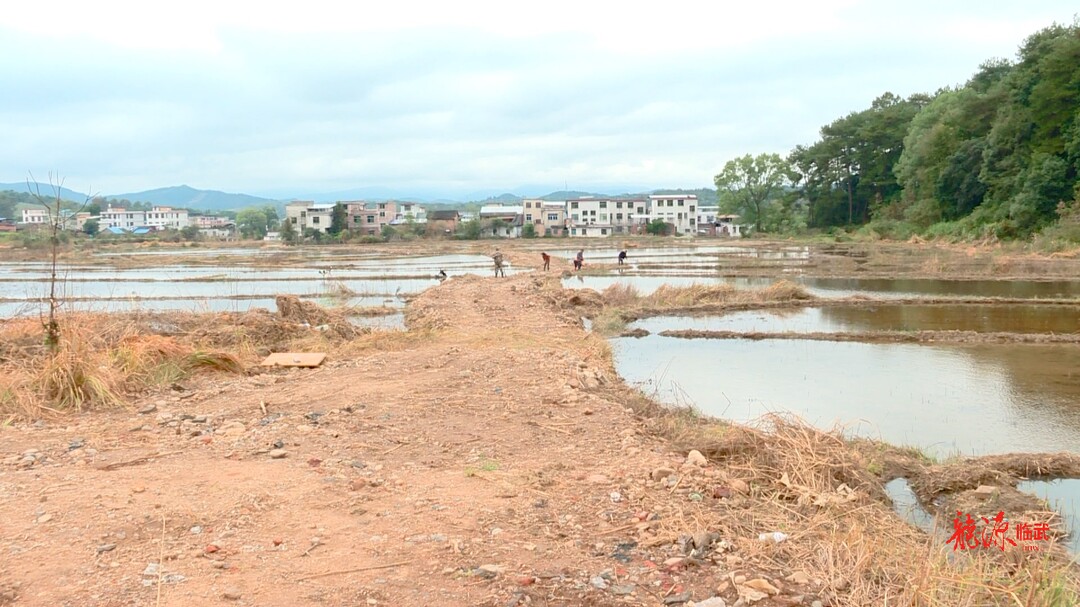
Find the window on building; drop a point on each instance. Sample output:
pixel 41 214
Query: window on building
pixel 692 221
pixel 618 216
pixel 641 210
pixel 553 216
pixel 603 231
pixel 603 217
pixel 575 217
pixel 603 204
pixel 680 202
pixel 573 205
pixel 691 208
pixel 371 219
pixel 618 205
pixel 356 219
pixel 592 213
pixel 528 217
pixel 315 220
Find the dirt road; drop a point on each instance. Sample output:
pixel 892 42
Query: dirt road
pixel 489 463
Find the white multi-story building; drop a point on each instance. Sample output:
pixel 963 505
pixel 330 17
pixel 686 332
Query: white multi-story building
pixel 679 210
pixel 119 217
pixel 35 216
pixel 590 216
pixel 304 214
pixel 166 218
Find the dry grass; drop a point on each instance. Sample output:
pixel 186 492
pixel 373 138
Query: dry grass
pixel 816 487
pixel 105 357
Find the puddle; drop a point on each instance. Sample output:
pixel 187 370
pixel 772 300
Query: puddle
pixel 843 319
pixel 1064 496
pixel 907 505
pixel 955 399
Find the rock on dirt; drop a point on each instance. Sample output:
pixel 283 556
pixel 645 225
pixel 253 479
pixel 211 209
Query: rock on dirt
pixel 695 458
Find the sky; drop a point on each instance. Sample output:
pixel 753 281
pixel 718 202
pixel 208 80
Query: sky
pixel 460 99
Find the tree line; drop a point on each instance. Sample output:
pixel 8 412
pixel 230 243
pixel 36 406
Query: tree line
pixel 997 157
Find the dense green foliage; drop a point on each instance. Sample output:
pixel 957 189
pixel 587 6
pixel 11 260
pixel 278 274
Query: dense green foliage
pixel 255 222
pixel 998 157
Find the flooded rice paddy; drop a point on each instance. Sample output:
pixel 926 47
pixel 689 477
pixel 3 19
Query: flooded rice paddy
pixel 946 399
pixel 339 280
pixel 1011 318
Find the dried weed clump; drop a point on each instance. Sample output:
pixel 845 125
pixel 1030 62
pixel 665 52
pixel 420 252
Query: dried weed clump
pixel 816 487
pixel 626 302
pixel 100 359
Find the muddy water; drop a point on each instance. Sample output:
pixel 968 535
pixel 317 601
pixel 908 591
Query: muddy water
pixel 885 317
pixel 214 304
pixel 948 400
pixel 1064 496
pixel 846 287
pixel 228 287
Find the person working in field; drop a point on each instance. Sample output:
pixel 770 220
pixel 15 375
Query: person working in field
pixel 547 260
pixel 579 261
pixel 497 257
pixel 622 257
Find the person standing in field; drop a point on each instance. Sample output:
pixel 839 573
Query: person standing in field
pixel 497 257
pixel 547 260
pixel 622 257
pixel 579 261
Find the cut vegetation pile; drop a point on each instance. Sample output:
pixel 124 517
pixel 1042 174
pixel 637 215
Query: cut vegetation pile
pixel 618 304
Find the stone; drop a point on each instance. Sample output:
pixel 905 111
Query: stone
pixel 148 409
pixel 740 486
pixel 985 491
pixel 278 453
pixel 695 458
pixel 231 429
pixel 232 594
pixel 44 518
pixel 661 473
pixel 106 548
pixel 623 589
pixel 713 602
pixel 598 582
pixel 677 599
pixel 763 585
pixel 798 578
pixel 817 604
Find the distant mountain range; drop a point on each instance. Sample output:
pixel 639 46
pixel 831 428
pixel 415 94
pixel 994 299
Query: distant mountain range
pixel 190 198
pixel 44 189
pixel 187 197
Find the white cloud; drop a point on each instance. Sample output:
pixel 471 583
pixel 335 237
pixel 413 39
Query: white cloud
pixel 460 96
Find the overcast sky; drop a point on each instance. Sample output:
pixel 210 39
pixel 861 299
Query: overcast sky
pixel 455 98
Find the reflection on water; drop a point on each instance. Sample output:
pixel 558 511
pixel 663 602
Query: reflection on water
pixel 214 304
pixel 1064 496
pixel 981 318
pixel 947 399
pixel 845 287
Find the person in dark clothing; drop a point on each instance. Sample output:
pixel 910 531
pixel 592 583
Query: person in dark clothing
pixel 579 261
pixel 497 257
pixel 547 260
pixel 441 275
pixel 622 257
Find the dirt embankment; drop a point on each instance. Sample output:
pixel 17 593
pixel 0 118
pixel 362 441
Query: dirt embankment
pixel 489 457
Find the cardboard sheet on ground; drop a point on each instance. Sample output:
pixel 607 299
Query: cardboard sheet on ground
pixel 294 359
